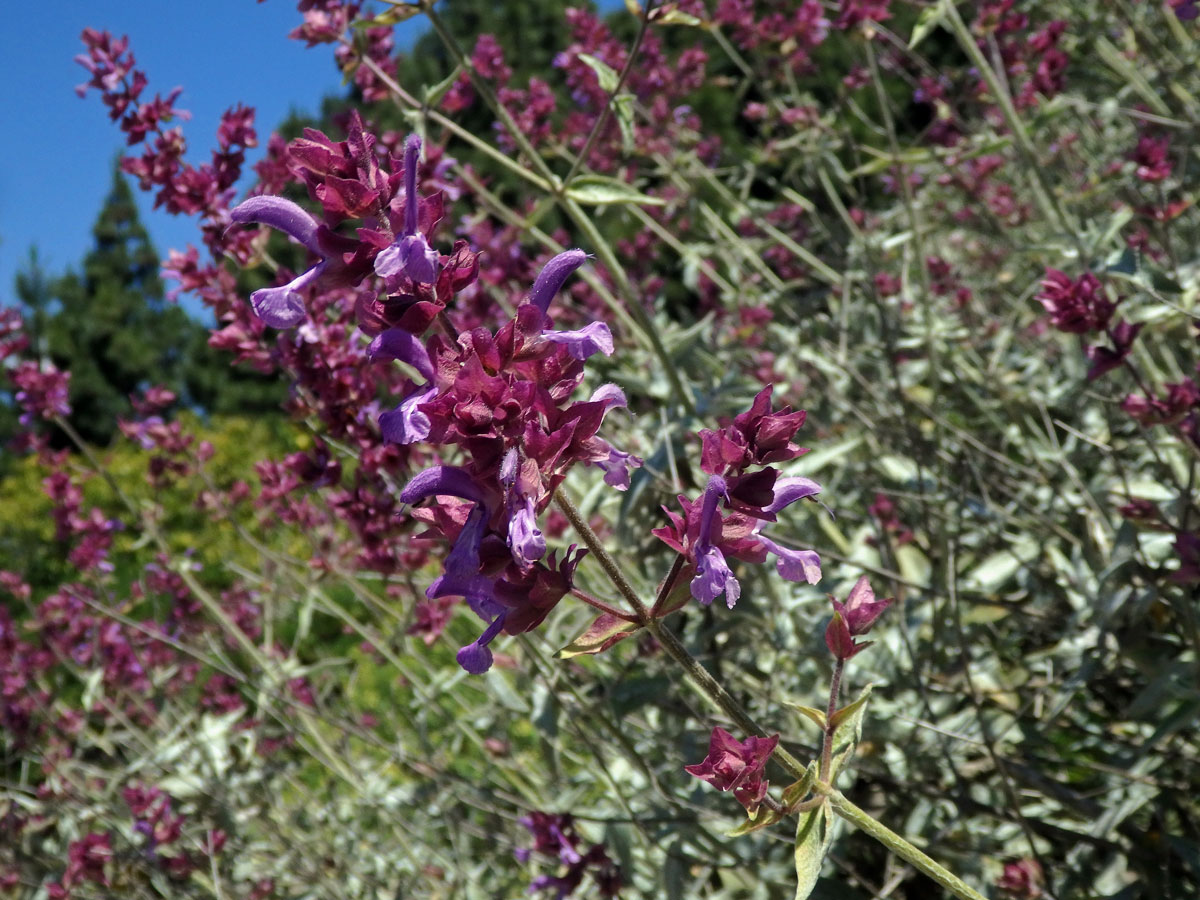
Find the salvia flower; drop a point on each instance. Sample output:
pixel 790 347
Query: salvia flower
pixel 462 568
pixel 1076 307
pixel 1105 359
pixel 283 306
pixel 733 765
pixel 853 618
pixel 525 539
pixel 587 341
pixel 552 277
pixel 793 565
pixel 405 424
pixel 613 462
pixel 713 576
pixel 1021 880
pixel 410 254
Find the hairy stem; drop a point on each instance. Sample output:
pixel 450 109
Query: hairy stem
pixel 902 848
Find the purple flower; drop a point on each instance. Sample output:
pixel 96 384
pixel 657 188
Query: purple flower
pixel 614 463
pixel 853 618
pixel 525 539
pixel 410 253
pixel 552 277
pixel 460 577
pixel 396 343
pixel 733 765
pixel 1075 307
pixel 405 424
pixel 616 467
pixel 447 481
pixel 283 306
pixel 793 565
pixel 476 657
pixel 713 576
pixel 591 339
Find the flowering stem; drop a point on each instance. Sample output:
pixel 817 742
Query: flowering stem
pixel 710 688
pixel 898 845
pixel 601 605
pixel 607 563
pixel 632 308
pixel 835 686
pixel 699 676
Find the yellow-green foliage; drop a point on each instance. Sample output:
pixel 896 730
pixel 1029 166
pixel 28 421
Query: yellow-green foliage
pixel 27 533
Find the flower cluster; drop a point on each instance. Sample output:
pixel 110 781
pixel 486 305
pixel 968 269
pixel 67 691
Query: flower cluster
pixel 852 619
pixel 733 765
pixel 503 398
pixel 706 536
pixel 555 836
pixel 1076 307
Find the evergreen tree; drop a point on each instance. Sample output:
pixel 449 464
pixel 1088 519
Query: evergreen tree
pixel 110 325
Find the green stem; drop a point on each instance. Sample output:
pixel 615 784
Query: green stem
pixel 699 676
pixel 902 848
pixel 835 686
pixel 715 693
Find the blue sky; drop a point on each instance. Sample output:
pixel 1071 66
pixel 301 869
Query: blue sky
pixel 56 159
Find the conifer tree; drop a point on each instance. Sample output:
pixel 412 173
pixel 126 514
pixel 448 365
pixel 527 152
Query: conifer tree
pixel 110 324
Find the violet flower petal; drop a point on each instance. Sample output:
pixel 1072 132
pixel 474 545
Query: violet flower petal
pixel 713 578
pixel 610 395
pixel 280 214
pixel 396 343
pixel 525 539
pixel 449 481
pixel 412 156
pixel 283 306
pixel 616 467
pixel 794 565
pixel 552 277
pixel 789 490
pixel 476 657
pixel 587 341
pixel 406 424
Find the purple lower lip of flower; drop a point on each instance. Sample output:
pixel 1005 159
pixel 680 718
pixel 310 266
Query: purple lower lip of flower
pixel 396 343
pixel 552 277
pixel 282 215
pixel 476 658
pixel 406 424
pixel 713 578
pixel 526 541
pixel 450 481
pixel 794 565
pixel 283 306
pixel 616 468
pixel 410 255
pixel 587 341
